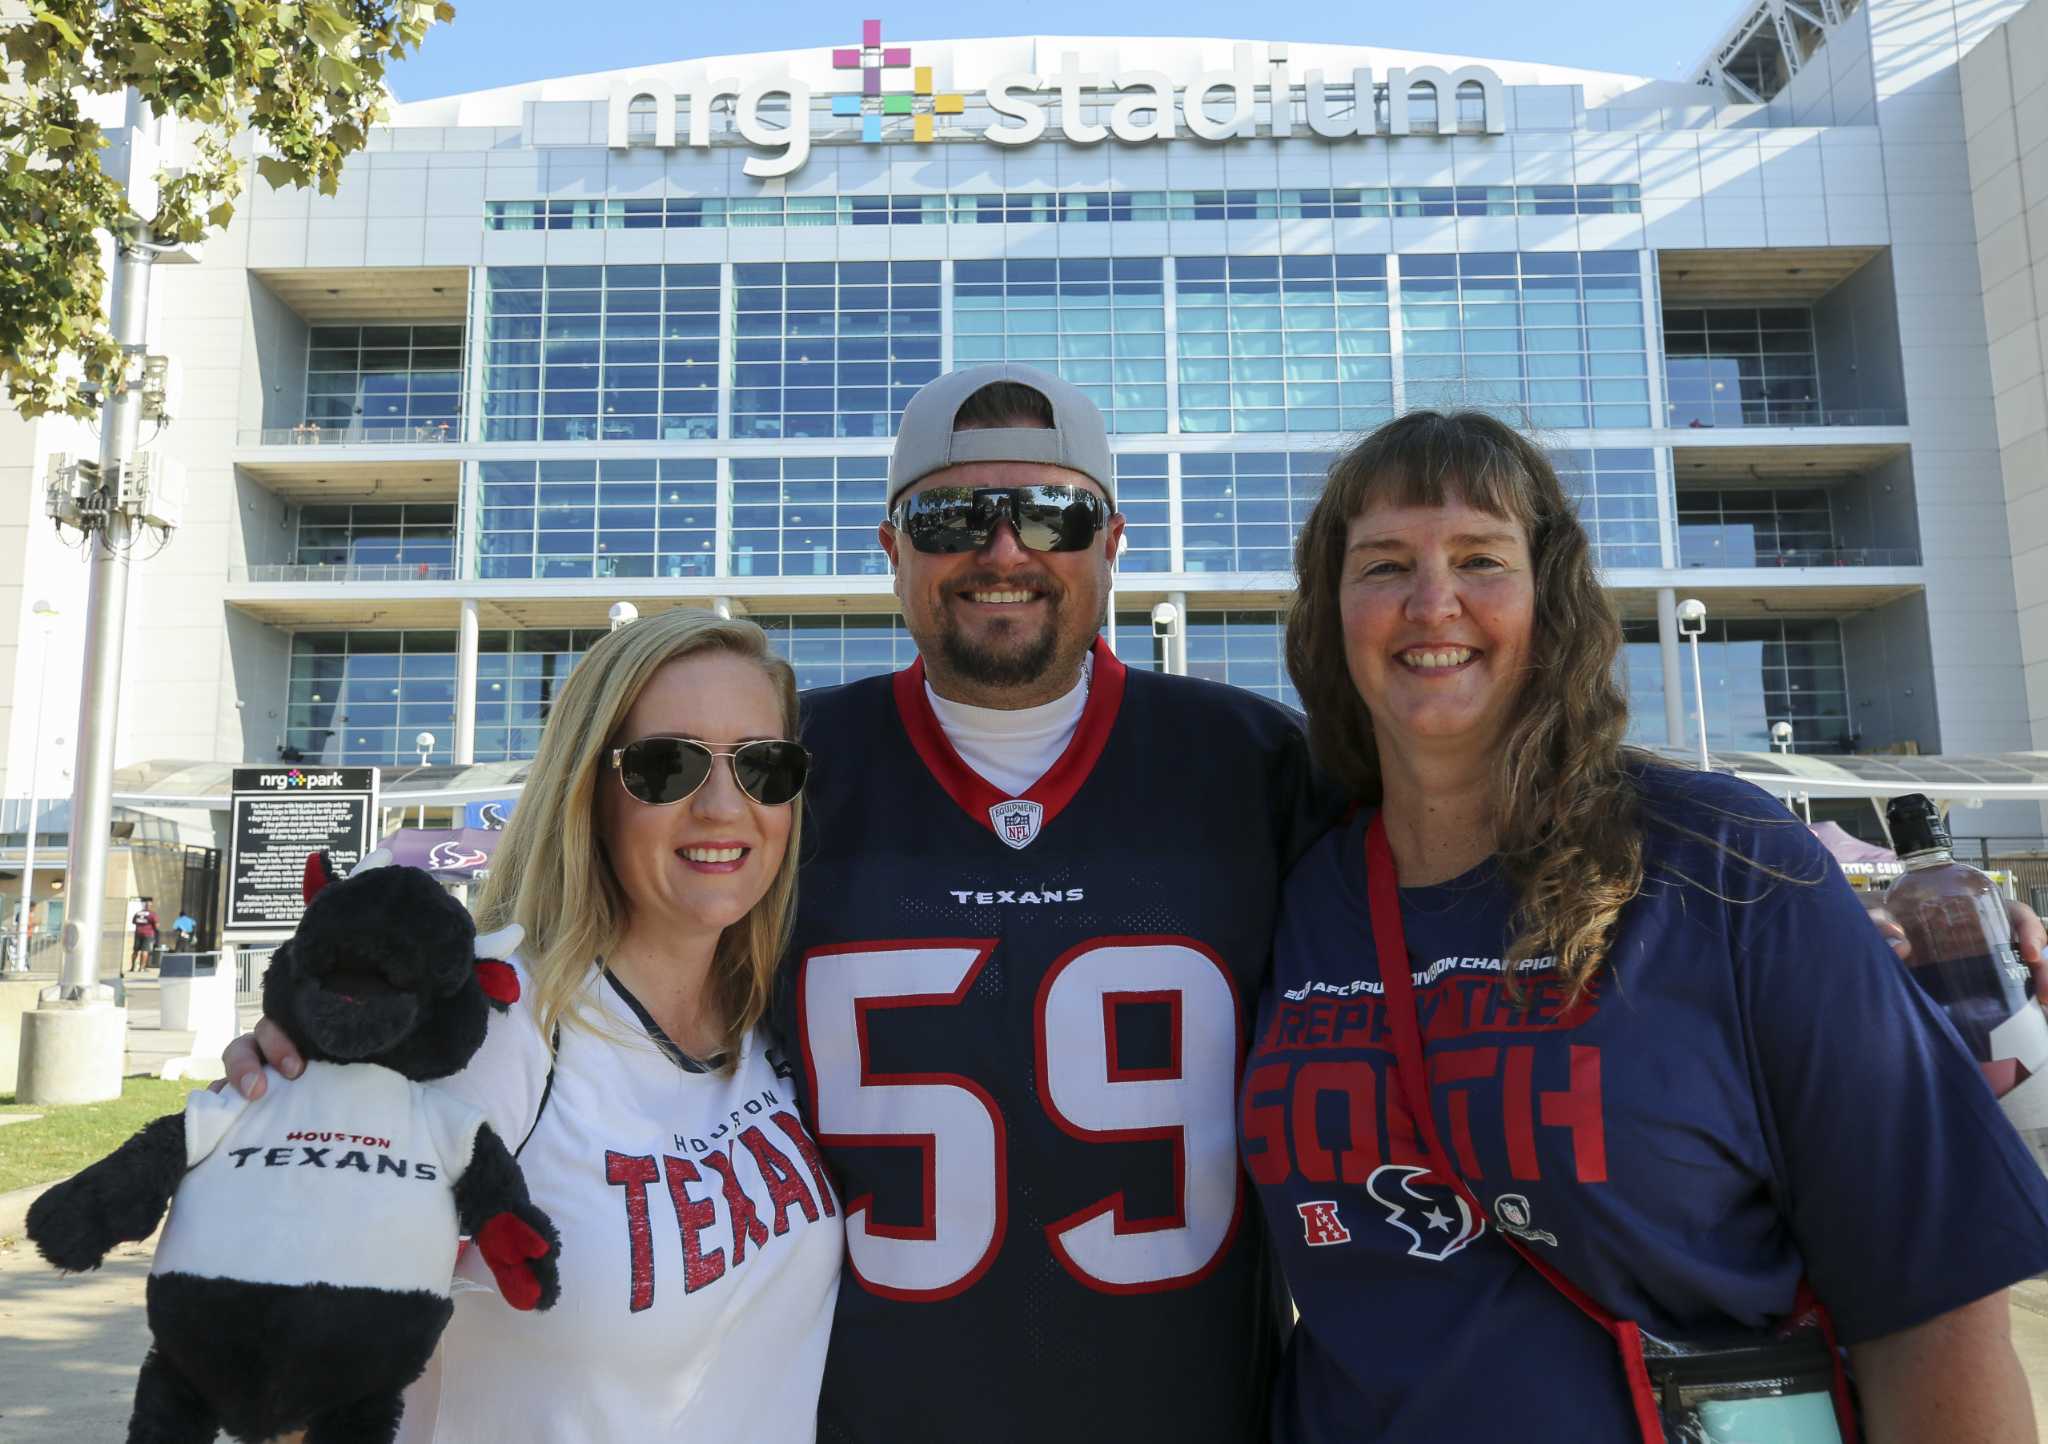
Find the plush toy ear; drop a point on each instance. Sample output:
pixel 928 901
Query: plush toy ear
pixel 319 873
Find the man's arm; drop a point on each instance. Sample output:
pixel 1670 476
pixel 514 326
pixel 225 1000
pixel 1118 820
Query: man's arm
pixel 1954 1378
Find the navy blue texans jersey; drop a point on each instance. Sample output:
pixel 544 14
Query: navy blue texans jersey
pixel 1019 1022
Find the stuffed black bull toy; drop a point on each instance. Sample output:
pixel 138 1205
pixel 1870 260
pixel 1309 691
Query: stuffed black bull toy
pixel 303 1279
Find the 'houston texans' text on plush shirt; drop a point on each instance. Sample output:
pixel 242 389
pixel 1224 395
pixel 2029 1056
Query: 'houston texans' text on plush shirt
pixel 1754 1090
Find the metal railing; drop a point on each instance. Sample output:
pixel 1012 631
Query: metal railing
pixel 1798 557
pixel 346 572
pixel 1681 416
pixel 308 434
pixel 251 959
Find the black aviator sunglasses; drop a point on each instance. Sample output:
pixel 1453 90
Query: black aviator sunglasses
pixel 662 771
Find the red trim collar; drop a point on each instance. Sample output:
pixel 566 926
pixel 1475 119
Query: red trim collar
pixel 975 794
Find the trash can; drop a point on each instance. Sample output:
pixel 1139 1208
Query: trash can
pixel 186 982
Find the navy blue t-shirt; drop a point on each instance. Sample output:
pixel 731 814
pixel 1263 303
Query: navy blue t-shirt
pixel 1753 1091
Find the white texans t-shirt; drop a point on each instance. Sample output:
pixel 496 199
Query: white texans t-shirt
pixel 345 1175
pixel 701 1242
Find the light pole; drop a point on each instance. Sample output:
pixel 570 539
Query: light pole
pixel 623 614
pixel 1781 736
pixel 425 744
pixel 46 614
pixel 1692 624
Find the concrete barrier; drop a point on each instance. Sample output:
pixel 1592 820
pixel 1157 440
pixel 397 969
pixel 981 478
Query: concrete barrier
pixel 72 1052
pixel 17 996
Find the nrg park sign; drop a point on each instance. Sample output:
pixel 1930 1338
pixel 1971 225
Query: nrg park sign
pixel 1217 106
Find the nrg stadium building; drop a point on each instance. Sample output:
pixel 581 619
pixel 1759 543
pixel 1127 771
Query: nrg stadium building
pixel 642 336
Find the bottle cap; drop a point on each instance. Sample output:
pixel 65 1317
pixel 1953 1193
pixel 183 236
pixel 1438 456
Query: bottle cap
pixel 1916 824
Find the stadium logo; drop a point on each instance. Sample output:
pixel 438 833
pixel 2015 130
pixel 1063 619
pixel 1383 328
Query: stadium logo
pixel 1017 822
pixel 1134 107
pixel 921 103
pixel 1438 1222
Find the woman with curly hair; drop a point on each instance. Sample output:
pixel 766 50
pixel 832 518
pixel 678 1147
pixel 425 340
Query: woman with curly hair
pixel 1644 1120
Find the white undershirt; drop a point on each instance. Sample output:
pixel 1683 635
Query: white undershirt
pixel 1012 748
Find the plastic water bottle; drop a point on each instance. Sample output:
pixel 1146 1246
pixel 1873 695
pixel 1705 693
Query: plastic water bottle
pixel 1963 957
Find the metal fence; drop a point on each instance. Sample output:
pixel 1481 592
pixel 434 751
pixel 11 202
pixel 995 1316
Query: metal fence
pixel 309 434
pixel 251 961
pixel 348 572
pixel 2023 859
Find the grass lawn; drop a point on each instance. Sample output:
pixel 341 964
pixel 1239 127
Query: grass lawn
pixel 66 1139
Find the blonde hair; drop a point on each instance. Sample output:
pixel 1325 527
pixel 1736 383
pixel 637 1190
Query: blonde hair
pixel 550 874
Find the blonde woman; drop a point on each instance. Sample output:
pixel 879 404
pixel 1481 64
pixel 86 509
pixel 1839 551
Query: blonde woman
pixel 652 864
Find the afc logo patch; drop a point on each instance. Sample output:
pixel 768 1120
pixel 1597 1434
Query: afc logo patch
pixel 1017 822
pixel 1319 1224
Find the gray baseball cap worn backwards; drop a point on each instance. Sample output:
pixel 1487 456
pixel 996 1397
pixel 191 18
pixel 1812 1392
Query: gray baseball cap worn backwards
pixel 926 441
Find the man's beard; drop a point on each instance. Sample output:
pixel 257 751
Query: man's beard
pixel 1011 667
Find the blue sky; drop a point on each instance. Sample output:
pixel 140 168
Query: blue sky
pixel 497 42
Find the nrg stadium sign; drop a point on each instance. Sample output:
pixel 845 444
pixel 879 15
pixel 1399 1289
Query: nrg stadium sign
pixel 1218 106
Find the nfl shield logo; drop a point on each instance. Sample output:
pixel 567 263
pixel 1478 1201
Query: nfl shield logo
pixel 1017 822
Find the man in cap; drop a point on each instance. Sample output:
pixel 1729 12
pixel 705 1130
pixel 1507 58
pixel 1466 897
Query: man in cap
pixel 1037 895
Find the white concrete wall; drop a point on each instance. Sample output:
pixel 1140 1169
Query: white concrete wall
pixel 2005 93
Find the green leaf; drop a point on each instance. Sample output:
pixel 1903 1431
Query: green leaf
pixel 57 23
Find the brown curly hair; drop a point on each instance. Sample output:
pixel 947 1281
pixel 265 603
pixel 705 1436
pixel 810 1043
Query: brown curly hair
pixel 1569 840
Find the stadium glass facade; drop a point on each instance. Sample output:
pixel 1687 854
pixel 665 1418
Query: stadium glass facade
pixel 539 356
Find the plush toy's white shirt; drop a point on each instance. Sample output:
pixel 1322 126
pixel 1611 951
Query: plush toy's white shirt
pixel 345 1175
pixel 676 1320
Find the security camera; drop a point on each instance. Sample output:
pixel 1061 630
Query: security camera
pixel 1692 617
pixel 1165 620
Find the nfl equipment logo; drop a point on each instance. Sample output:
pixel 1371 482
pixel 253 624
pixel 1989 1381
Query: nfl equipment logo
pixel 1017 822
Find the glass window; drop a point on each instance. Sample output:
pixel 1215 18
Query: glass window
pixel 1753 672
pixel 1293 343
pixel 808 516
pixel 1740 366
pixel 359 698
pixel 831 348
pixel 385 383
pixel 1240 510
pixel 1096 322
pixel 630 353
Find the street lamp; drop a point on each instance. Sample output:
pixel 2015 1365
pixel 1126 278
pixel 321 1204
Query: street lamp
pixel 1692 624
pixel 425 745
pixel 624 614
pixel 1781 736
pixel 45 614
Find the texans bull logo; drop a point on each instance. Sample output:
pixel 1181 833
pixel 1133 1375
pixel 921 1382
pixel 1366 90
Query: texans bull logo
pixel 1437 1221
pixel 454 857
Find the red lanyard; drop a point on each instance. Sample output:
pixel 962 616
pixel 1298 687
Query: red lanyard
pixel 1384 896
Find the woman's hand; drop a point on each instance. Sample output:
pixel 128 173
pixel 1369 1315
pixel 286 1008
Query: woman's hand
pixel 1954 1378
pixel 245 1058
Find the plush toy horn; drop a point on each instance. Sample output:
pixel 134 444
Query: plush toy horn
pixel 493 974
pixel 380 857
pixel 318 875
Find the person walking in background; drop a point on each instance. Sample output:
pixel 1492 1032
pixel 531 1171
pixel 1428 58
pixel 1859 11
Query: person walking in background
pixel 184 932
pixel 144 923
